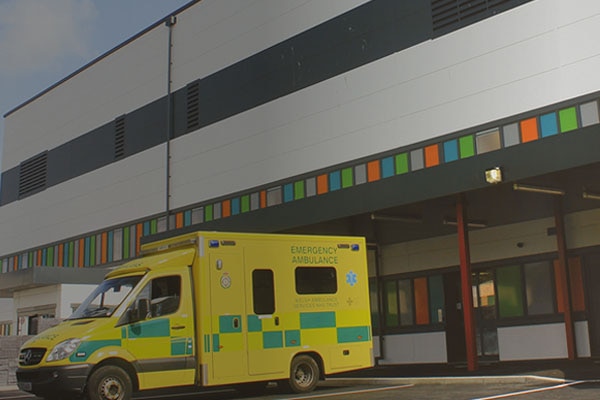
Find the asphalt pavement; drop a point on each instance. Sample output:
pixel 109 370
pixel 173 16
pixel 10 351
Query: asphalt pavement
pixel 491 372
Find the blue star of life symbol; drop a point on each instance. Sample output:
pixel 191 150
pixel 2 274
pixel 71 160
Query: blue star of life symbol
pixel 351 278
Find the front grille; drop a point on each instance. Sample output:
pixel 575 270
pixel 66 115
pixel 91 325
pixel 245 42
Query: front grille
pixel 31 356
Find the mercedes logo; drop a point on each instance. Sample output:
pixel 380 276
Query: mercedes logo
pixel 27 356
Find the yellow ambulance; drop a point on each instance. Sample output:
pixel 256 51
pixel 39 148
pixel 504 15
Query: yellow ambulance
pixel 212 308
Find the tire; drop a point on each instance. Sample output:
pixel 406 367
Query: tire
pixel 109 383
pixel 304 374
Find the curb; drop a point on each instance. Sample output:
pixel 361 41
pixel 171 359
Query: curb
pixel 446 380
pixel 9 388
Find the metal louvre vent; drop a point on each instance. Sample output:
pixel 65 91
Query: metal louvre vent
pixel 193 106
pixel 31 356
pixel 448 15
pixel 33 174
pixel 119 137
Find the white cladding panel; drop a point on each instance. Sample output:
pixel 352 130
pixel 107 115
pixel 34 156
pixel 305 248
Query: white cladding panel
pixel 6 309
pixel 123 191
pixel 215 34
pixel 125 80
pixel 582 339
pixel 415 348
pixel 532 342
pixel 491 244
pixel 514 62
pixel 29 299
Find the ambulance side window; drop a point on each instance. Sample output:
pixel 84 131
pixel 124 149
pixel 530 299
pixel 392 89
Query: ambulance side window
pixel 263 291
pixel 159 297
pixel 316 280
pixel 166 292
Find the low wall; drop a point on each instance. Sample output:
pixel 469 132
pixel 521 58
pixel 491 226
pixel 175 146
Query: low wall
pixel 9 352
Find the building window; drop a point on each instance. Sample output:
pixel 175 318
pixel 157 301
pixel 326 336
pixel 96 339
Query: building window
pixel 510 291
pixel 412 302
pixel 538 288
pixel 5 328
pixel 392 317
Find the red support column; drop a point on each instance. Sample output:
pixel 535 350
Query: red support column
pixel 465 281
pixel 561 243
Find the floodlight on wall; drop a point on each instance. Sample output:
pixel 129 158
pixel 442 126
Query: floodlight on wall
pixel 393 218
pixel 470 224
pixel 538 189
pixel 493 175
pixel 591 196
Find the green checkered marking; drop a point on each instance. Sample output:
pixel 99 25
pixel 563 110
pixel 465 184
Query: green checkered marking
pixel 254 323
pixel 292 338
pixel 149 329
pixel 315 320
pixel 181 346
pixel 86 349
pixel 273 340
pixel 228 324
pixel 353 334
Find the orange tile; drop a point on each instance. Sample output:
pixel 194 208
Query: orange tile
pixel 81 252
pixel 60 255
pixel 104 253
pixel 421 301
pixel 226 209
pixel 373 171
pixel 432 155
pixel 263 199
pixel 139 230
pixel 529 130
pixel 322 184
pixel 179 220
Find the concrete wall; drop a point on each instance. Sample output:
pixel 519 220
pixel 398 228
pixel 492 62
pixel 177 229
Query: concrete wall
pixel 532 342
pixel 414 348
pixel 9 352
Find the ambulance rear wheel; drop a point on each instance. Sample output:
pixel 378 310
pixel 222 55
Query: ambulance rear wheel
pixel 109 383
pixel 304 374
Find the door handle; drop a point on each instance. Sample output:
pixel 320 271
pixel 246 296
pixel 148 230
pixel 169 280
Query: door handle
pixel 177 327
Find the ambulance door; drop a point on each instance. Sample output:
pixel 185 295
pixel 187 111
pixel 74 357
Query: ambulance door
pixel 227 292
pixel 161 333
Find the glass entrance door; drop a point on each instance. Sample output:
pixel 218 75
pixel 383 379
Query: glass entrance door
pixel 486 314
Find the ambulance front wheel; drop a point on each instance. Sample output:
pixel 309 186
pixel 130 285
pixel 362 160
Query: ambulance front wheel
pixel 304 374
pixel 109 383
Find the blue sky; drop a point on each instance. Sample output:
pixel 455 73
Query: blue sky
pixel 43 41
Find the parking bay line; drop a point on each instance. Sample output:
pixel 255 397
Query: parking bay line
pixel 531 391
pixel 318 396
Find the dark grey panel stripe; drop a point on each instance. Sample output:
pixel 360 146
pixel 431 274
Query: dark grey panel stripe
pixel 372 31
pixel 523 161
pixel 165 364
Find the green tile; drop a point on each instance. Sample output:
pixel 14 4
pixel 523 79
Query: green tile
pixel 467 146
pixel 245 203
pixel 568 119
pixel 208 212
pixel 298 190
pixel 347 177
pixel 401 163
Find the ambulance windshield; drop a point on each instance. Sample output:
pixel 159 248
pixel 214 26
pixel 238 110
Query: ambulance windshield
pixel 106 297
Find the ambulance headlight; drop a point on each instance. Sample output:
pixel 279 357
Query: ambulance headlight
pixel 63 350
